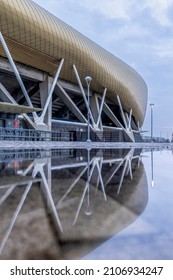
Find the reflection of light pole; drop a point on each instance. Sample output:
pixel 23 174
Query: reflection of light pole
pixel 160 136
pixel 152 170
pixel 88 81
pixel 88 211
pixel 152 106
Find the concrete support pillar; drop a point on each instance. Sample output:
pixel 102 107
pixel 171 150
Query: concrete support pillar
pixel 44 92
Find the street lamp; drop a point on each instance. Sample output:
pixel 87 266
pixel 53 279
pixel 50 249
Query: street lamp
pixel 88 81
pixel 152 106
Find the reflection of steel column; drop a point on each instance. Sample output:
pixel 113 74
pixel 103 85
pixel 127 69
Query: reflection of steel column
pixel 88 81
pixel 15 216
pixel 152 106
pixel 88 164
pixel 152 170
pixel 88 211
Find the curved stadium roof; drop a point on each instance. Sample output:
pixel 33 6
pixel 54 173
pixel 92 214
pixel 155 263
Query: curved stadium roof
pixel 37 38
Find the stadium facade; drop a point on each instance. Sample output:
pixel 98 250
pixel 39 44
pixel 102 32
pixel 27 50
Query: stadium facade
pixel 43 68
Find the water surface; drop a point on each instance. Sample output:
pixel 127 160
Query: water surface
pixel 90 204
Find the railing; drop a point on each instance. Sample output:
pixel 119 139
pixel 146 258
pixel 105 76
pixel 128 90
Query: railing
pixel 30 154
pixel 101 136
pixel 34 135
pixel 148 139
pixel 21 134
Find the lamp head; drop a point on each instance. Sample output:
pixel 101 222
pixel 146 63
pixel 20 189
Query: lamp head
pixel 151 105
pixel 88 79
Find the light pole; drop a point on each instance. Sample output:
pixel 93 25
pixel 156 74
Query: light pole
pixel 88 81
pixel 152 106
pixel 152 170
pixel 160 136
pixel 167 137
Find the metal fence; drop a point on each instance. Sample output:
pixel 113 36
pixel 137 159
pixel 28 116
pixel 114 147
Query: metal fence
pixel 148 139
pixel 39 135
pixel 101 136
pixel 30 154
pixel 34 135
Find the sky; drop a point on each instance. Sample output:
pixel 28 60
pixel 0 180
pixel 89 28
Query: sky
pixel 138 32
pixel 146 238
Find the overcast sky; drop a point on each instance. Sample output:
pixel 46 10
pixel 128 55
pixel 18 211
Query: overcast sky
pixel 138 32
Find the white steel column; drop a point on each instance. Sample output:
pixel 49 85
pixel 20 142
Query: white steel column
pixel 127 127
pixel 130 120
pixel 83 94
pixel 10 99
pixel 122 113
pixel 101 107
pixel 16 73
pixel 111 115
pixel 40 120
pixel 60 91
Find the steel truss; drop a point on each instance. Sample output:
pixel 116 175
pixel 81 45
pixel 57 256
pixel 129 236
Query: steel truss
pixel 54 87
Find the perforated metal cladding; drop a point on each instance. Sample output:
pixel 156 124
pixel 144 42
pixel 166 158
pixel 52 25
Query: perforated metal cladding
pixel 37 38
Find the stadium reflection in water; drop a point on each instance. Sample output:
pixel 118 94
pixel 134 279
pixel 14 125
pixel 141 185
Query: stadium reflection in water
pixel 61 204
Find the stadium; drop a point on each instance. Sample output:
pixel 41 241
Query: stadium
pixel 56 84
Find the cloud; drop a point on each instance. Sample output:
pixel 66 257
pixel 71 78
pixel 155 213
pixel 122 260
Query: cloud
pixel 159 10
pixel 132 31
pixel 125 9
pixel 164 49
pixel 111 9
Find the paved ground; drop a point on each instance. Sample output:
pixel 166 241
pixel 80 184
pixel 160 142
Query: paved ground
pixel 79 145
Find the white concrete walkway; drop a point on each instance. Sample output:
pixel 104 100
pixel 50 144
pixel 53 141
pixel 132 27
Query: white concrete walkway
pixel 79 145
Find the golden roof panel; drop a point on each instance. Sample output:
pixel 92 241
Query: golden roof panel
pixel 37 38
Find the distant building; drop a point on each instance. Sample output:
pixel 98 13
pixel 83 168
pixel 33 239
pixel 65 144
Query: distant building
pixel 48 90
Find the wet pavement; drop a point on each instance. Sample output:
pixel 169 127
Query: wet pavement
pixel 77 203
pixel 80 145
